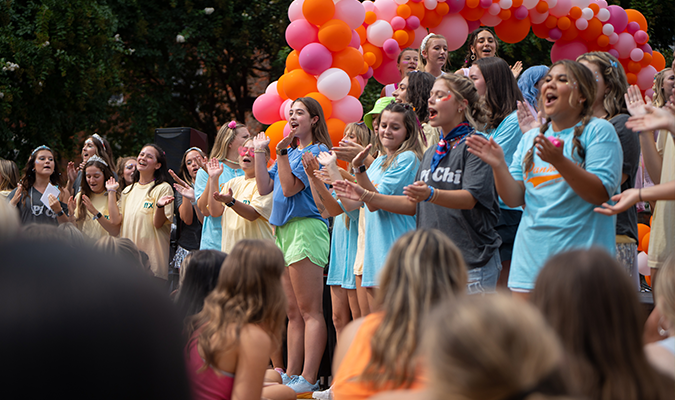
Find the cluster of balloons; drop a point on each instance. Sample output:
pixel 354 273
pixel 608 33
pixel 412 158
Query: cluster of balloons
pixel 339 44
pixel 643 248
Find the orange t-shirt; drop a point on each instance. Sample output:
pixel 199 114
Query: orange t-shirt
pixel 346 384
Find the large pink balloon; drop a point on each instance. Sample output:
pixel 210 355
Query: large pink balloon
pixel 385 9
pixel 625 44
pixel 568 50
pixel 387 72
pixel 490 20
pixel 455 6
pixel 315 58
pixel 351 12
pixel 455 30
pixel 618 18
pixel 300 33
pixel 348 109
pixel 266 108
pixel 646 77
pixel 420 33
pixel 561 9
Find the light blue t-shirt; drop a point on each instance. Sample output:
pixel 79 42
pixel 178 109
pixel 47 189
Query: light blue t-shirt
pixel 555 218
pixel 302 203
pixel 507 135
pixel 212 229
pixel 383 228
pixel 343 244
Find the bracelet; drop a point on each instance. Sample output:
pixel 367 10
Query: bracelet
pixel 372 194
pixel 97 216
pixel 230 204
pixel 259 151
pixel 435 195
pixel 158 206
pixel 640 194
pixel 363 196
pixel 431 194
pixel 282 152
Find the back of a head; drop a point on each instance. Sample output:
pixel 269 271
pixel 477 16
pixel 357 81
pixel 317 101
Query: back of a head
pixel 527 83
pixel 590 302
pixel 121 247
pixel 492 347
pixel 72 236
pixel 201 277
pixel 102 328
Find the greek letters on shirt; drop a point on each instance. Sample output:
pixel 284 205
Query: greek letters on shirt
pixel 443 174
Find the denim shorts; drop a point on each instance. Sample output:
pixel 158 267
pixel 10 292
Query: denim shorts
pixel 484 279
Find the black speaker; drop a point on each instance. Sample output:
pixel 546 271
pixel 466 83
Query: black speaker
pixel 175 141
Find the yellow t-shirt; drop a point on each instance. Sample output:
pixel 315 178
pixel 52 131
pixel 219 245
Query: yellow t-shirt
pixel 236 227
pixel 92 228
pixel 137 207
pixel 662 236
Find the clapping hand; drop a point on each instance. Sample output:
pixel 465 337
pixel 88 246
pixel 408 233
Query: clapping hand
pixel 185 190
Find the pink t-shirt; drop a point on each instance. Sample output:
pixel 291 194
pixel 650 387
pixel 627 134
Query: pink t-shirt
pixel 210 384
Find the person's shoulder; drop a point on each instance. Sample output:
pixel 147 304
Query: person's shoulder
pixel 407 156
pixel 601 129
pixel 255 335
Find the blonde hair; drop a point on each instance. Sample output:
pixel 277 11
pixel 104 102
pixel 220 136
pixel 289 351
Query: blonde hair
pixel 423 268
pixel 664 288
pixel 421 65
pixel 249 291
pixel 223 140
pixel 10 224
pixel 413 132
pixel 615 80
pixel 491 347
pixel 660 98
pixel 9 174
pixel 463 88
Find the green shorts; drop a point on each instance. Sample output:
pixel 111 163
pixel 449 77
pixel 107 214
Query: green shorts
pixel 302 238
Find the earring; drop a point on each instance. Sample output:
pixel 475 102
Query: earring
pixel 473 56
pixel 662 331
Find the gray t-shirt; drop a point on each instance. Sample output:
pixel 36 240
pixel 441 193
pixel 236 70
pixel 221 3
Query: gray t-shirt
pixel 32 210
pixel 473 231
pixel 626 222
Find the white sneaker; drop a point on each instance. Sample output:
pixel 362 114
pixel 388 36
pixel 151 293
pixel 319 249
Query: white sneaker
pixel 323 395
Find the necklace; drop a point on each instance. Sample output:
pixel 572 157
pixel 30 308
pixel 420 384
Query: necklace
pixel 230 161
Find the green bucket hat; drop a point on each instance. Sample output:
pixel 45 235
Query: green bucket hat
pixel 379 106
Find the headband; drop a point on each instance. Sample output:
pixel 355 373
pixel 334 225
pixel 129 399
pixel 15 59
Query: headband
pixel 42 147
pixel 97 158
pixel 425 40
pixel 100 139
pixel 201 152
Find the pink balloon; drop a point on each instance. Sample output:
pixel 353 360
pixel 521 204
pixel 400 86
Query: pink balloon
pixel 646 77
pixel 473 25
pixel 568 50
pixel 520 13
pixel 485 3
pixel 368 5
pixel 618 18
pixel 643 264
pixel 397 23
pixel 614 53
pixel 356 40
pixel 455 30
pixel 295 10
pixel 266 108
pixel 455 6
pixel 387 72
pixel 538 18
pixel 581 24
pixel 351 12
pixel 625 44
pixel 420 33
pixel 647 48
pixel 284 110
pixel 636 54
pixel 555 34
pixel 287 129
pixel 561 9
pixel 412 22
pixel 362 83
pixel 348 109
pixel 385 9
pixel 368 74
pixel 633 27
pixel 490 20
pixel 613 38
pixel 650 92
pixel 300 33
pixel 272 87
pixel 494 9
pixel 391 48
pixel 641 37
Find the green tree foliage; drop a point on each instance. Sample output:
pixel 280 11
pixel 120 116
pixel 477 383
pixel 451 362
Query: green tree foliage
pixel 60 64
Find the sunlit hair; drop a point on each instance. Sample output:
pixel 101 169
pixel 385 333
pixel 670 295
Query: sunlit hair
pixel 120 247
pixel 417 93
pixel 103 148
pixel 364 136
pixel 266 148
pixel 121 165
pixel 223 140
pixel 161 174
pixel 72 236
pixel 491 347
pixel 201 269
pixel 590 302
pixel 9 174
pixel 612 72
pixel 183 170
pixel 471 41
pixel 423 269
pixel 10 224
pixel 413 132
pixel 85 189
pixel 249 291
pixel 422 62
pixel 660 96
pixel 580 78
pixel 664 290
pixel 463 88
pixel 501 90
pixel 28 179
pixel 319 129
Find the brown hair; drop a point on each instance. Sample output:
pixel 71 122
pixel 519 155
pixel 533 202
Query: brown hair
pixel 28 178
pixel 121 165
pixel 86 190
pixel 463 88
pixel 413 132
pixel 501 90
pixel 590 302
pixel 9 174
pixel 578 73
pixel 614 76
pixel 319 129
pixel 183 170
pixel 223 140
pixel 249 291
pixel 423 269
pixel 471 41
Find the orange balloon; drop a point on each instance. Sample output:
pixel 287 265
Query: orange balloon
pixel 442 9
pixel 513 30
pixel 280 87
pixel 503 14
pixel 472 14
pixel 411 38
pixel 646 60
pixel 275 133
pixel 335 35
pixel 631 78
pixel 365 67
pixel 634 67
pixel 401 37
pixel 377 52
pixel 318 12
pixel 431 20
pixel 292 61
pixel 542 7
pixel 369 58
pixel 325 103
pixel 540 30
pixel 603 41
pixel 575 13
pixel 636 16
pixel 298 83
pixel 658 61
pixel 594 7
pixel 350 60
pixel 564 23
pixel 570 33
pixel 642 231
pixel 361 30
pixel 403 11
pixel 648 279
pixel 336 129
pixel 371 17
pixel 594 30
pixel 551 22
pixel 645 242
pixel 651 221
pixel 355 89
pixel 472 3
pixel 516 3
pixel 417 9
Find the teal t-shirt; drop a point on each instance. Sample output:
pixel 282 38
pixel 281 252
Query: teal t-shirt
pixel 555 218
pixel 507 135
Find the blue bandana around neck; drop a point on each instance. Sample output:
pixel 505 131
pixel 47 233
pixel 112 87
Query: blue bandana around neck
pixel 442 149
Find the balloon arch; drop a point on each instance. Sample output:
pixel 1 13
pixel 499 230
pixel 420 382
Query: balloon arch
pixel 339 44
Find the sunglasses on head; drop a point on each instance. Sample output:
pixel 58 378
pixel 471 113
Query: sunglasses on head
pixel 246 150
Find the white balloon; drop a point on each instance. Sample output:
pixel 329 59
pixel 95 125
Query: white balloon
pixel 581 24
pixel 552 3
pixel 505 4
pixel 430 4
pixel 272 87
pixel 378 32
pixel 295 10
pixel 604 15
pixel 399 2
pixel 334 83
pixel 581 3
pixel 587 13
pixel 608 29
pixel 530 4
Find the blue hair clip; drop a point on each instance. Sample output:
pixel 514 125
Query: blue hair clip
pixel 613 63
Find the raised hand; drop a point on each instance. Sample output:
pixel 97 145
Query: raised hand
pixel 182 187
pixel 487 150
pixel 653 119
pixel 71 205
pixel 526 120
pixel 348 190
pixel 361 157
pixel 164 200
pixel 287 140
pixel 55 204
pixel 87 204
pixel 71 171
pixel 260 141
pixel 223 198
pixel 417 192
pixel 347 150
pixel 549 152
pixel 17 195
pixel 516 69
pixel 624 201
pixel 634 101
pixel 310 163
pixel 111 184
pixel 322 175
pixel 214 168
pixel 327 158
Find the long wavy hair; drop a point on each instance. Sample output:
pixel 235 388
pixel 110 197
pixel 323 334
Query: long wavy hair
pixel 86 190
pixel 103 148
pixel 249 291
pixel 586 88
pixel 660 96
pixel 319 129
pixel 223 140
pixel 417 93
pixel 501 90
pixel 590 302
pixel 202 270
pixel 463 88
pixel 28 177
pixel 473 38
pixel 161 174
pixel 413 132
pixel 183 170
pixel 9 174
pixel 423 269
pixel 614 76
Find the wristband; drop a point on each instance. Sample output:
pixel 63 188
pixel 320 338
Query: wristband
pixel 97 216
pixel 359 170
pixel 158 206
pixel 259 151
pixel 60 213
pixel 282 152
pixel 230 204
pixel 431 194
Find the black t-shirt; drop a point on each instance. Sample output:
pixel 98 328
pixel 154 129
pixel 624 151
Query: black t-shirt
pixel 473 231
pixel 189 236
pixel 32 210
pixel 626 222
